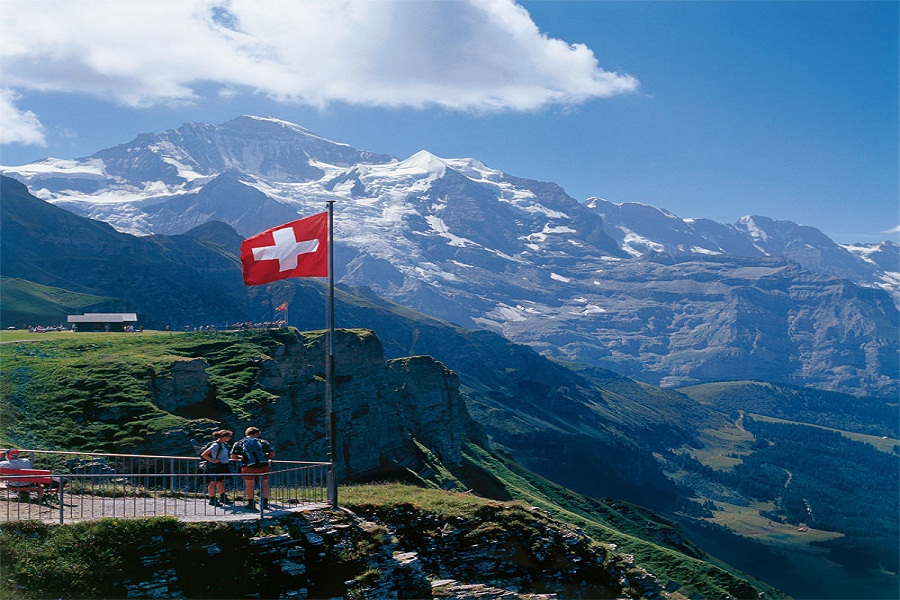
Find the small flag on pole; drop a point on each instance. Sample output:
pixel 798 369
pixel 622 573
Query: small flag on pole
pixel 282 307
pixel 295 249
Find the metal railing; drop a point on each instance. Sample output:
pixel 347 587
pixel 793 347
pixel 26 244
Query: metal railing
pixel 95 485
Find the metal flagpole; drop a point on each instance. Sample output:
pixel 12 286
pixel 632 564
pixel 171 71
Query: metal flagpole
pixel 330 482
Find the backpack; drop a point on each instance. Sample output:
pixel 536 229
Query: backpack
pixel 253 453
pixel 200 450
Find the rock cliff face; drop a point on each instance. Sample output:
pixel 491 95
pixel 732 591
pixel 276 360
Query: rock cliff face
pixel 380 406
pixel 187 384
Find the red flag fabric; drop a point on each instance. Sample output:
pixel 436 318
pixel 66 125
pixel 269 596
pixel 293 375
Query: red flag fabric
pixel 295 249
pixel 282 307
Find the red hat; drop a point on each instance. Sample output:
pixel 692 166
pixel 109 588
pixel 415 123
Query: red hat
pixel 13 454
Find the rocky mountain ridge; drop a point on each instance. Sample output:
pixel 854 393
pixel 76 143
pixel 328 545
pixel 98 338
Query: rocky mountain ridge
pixel 641 229
pixel 609 285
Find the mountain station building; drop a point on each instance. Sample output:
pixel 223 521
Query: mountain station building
pixel 102 321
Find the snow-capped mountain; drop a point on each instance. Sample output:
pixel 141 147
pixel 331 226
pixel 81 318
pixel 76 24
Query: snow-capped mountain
pixel 640 228
pixel 628 286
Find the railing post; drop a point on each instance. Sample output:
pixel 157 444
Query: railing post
pixel 61 497
pixel 172 479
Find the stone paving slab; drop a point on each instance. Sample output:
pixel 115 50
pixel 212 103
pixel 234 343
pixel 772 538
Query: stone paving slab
pixel 84 508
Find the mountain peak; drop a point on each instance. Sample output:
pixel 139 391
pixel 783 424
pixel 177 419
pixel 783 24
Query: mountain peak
pixel 757 227
pixel 271 125
pixel 426 161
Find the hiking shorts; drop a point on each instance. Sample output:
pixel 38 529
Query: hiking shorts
pixel 217 471
pixel 261 471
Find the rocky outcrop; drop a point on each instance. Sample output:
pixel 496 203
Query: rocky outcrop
pixel 380 406
pixel 507 548
pixel 503 552
pixel 429 400
pixel 186 383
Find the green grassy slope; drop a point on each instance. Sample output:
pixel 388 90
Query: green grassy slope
pixel 93 391
pixel 657 543
pixel 26 303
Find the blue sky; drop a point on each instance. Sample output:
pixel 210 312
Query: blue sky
pixel 706 109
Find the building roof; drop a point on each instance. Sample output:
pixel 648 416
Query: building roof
pixel 103 318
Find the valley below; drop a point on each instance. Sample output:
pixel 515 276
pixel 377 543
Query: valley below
pixel 723 493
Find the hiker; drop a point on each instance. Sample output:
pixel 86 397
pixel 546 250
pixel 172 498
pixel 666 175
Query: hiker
pixel 218 465
pixel 254 454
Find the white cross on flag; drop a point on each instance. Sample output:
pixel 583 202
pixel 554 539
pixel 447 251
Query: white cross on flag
pixel 295 249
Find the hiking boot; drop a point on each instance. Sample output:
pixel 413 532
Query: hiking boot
pixel 214 502
pixel 265 503
pixel 251 505
pixel 223 499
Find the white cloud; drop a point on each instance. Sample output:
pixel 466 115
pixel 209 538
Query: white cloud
pixel 473 55
pixel 17 125
pixel 892 230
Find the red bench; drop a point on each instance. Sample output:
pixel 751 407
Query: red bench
pixel 28 481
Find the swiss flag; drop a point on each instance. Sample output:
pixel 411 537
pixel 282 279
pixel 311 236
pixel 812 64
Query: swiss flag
pixel 295 249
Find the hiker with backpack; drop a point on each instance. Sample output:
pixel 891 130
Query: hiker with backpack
pixel 218 465
pixel 254 454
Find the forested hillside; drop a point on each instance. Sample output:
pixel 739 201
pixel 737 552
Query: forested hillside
pixel 862 414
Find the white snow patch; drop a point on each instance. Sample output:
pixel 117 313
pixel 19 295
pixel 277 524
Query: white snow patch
pixel 590 309
pixel 558 277
pixel 701 250
pixel 474 170
pixel 507 313
pixel 541 236
pixel 505 256
pixel 438 226
pixel 892 277
pixel 184 171
pixel 864 251
pixel 103 197
pixel 69 168
pixel 632 242
pixel 754 231
pixel 558 229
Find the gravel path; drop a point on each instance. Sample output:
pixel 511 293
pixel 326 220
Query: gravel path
pixel 83 508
